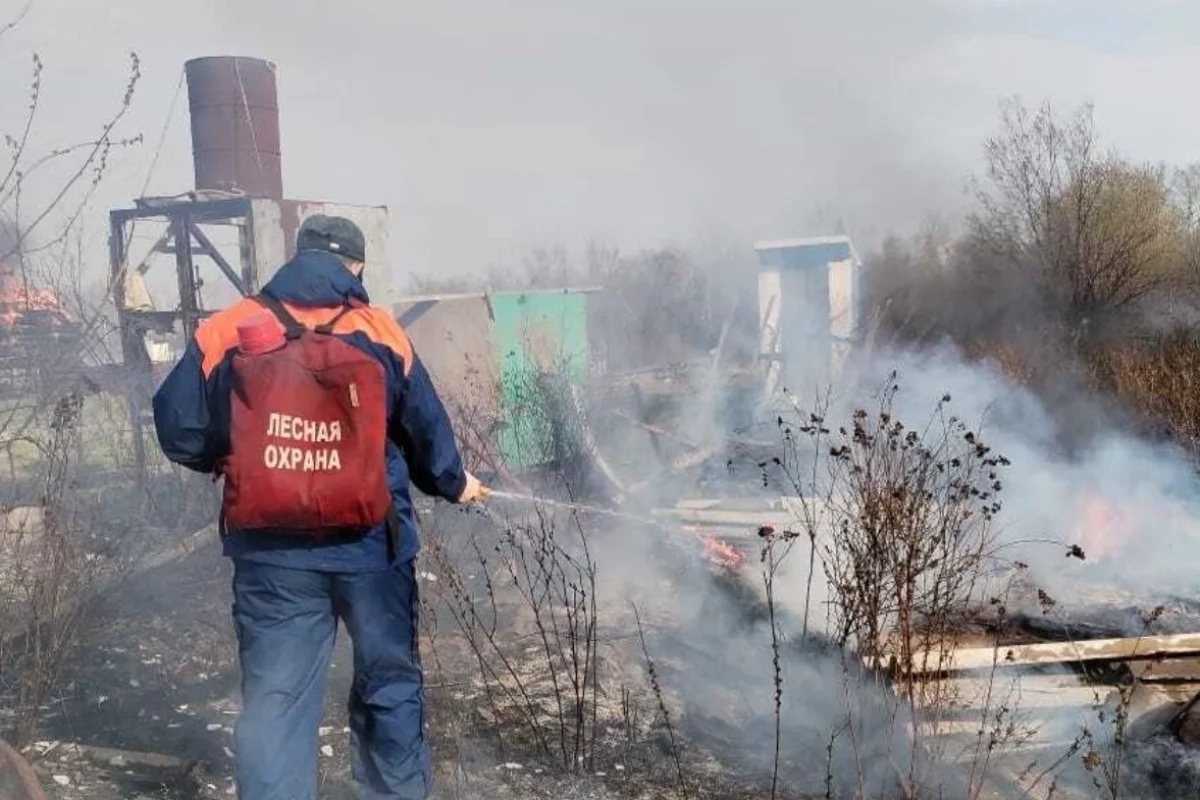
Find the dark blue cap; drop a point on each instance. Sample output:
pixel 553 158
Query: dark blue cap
pixel 334 234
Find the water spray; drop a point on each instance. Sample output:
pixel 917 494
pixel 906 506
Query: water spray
pixel 716 551
pixel 577 507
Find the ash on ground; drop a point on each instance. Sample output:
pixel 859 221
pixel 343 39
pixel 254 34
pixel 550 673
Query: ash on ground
pixel 149 698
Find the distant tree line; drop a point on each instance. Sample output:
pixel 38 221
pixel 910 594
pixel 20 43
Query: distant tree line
pixel 1075 264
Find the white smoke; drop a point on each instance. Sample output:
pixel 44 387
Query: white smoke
pixel 1130 505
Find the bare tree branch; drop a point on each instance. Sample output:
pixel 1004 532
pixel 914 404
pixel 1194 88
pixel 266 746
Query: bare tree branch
pixel 96 160
pixel 1099 233
pixel 19 145
pixel 24 12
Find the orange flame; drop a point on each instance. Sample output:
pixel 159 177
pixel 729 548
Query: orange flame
pixel 722 553
pixel 1104 529
pixel 17 298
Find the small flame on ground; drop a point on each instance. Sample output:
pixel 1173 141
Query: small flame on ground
pixel 1104 529
pixel 721 553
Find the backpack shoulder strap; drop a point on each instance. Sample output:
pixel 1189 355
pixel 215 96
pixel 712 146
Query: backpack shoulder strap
pixel 352 304
pixel 290 325
pixel 326 328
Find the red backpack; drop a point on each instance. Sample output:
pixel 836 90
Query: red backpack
pixel 307 432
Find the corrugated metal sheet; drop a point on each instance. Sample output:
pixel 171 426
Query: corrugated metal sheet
pixel 484 353
pixel 274 224
pixel 811 253
pixel 535 335
pixel 843 311
pixel 268 247
pixel 770 298
pixel 452 337
pixel 810 309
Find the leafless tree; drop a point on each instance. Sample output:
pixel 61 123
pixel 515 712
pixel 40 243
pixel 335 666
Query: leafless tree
pixel 1098 232
pixel 904 520
pixel 1185 192
pixel 43 197
pixel 51 562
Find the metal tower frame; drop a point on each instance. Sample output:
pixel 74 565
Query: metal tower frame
pixel 184 219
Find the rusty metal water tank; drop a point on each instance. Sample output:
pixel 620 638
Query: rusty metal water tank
pixel 235 125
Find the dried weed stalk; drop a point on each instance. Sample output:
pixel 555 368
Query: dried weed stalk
pixel 50 575
pixel 902 520
pixel 548 680
pixel 660 698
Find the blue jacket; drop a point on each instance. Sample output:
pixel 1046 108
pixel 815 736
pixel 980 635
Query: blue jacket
pixel 191 412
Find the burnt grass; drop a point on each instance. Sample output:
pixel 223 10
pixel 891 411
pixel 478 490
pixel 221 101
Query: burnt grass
pixel 156 673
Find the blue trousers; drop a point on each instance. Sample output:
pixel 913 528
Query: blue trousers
pixel 286 621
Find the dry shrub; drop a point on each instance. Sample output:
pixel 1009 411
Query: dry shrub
pixel 526 607
pixel 50 563
pixel 1159 377
pixel 1071 249
pixel 474 411
pixel 51 573
pixel 910 510
pixel 1096 231
pixel 1015 362
pixel 902 520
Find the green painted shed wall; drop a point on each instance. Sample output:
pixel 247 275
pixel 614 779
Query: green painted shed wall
pixel 532 332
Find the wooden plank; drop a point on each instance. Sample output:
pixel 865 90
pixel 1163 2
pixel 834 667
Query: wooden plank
pixel 1173 670
pixel 172 551
pixel 748 519
pixel 965 731
pixel 749 505
pixel 1127 649
pixel 1035 717
pixel 695 458
pixel 115 757
pixel 782 512
pixel 1015 691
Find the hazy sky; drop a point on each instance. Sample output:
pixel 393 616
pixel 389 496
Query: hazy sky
pixel 487 127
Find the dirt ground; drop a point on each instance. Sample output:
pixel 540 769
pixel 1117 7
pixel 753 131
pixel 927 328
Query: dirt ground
pixel 148 701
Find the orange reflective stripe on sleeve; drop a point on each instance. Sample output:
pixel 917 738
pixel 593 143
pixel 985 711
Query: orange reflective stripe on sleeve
pixel 387 331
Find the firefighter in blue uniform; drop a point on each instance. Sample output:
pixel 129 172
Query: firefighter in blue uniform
pixel 290 593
